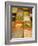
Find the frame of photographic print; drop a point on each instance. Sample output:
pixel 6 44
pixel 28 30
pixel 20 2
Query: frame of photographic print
pixel 8 5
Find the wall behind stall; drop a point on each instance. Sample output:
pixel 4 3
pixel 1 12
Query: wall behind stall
pixel 2 22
